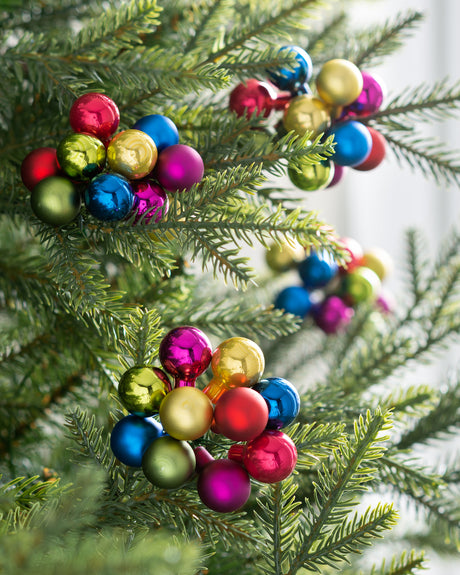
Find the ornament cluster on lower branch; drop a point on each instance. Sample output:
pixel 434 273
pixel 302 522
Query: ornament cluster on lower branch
pixel 118 175
pixel 236 403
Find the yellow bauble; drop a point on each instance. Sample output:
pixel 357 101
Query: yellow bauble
pixel 281 258
pixel 132 154
pixel 379 261
pixel 186 413
pixel 306 113
pixel 339 82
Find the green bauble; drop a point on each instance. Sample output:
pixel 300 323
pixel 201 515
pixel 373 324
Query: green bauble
pixel 168 462
pixel 142 389
pixel 311 177
pixel 360 285
pixel 281 258
pixel 81 156
pixel 55 201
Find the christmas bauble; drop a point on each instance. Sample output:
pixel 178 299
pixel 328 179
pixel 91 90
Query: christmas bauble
pixel 95 114
pixel 131 436
pixel 310 177
pixel 185 352
pixel 81 156
pixel 39 164
pixel 142 389
pixel 282 399
pixel 186 413
pixel 281 258
pixel 369 100
pixel 292 78
pixel 161 129
pixel 295 300
pixel 168 463
pixel 55 201
pixel 269 458
pixel 132 154
pixel 339 172
pixel 241 414
pixel 339 82
pixel 223 485
pixel 236 362
pixel 255 97
pixel 377 153
pixel 385 302
pixel 179 167
pixel 360 285
pixel 149 199
pixel 306 113
pixel 109 197
pixel 317 270
pixel 355 254
pixel 353 143
pixel 332 314
pixel 379 261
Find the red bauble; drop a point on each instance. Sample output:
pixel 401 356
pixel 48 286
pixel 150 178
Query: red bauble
pixel 356 252
pixel 95 114
pixel 241 414
pixel 38 165
pixel 255 96
pixel 377 154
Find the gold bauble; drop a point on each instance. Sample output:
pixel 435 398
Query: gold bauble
pixel 186 413
pixel 339 82
pixel 132 153
pixel 142 389
pixel 281 258
pixel 379 261
pixel 306 113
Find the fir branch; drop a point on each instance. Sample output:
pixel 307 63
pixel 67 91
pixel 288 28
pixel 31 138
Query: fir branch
pixel 139 338
pixel 404 564
pixel 418 263
pixel 407 476
pixel 318 38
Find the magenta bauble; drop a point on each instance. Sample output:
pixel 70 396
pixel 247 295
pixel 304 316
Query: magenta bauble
pixel 178 168
pixel 332 314
pixel 149 199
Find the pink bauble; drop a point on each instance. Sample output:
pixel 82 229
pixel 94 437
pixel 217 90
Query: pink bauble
pixel 178 168
pixel 241 414
pixel 94 114
pixel 149 197
pixel 332 314
pixel 257 97
pixel 370 99
pixel 355 252
pixel 339 172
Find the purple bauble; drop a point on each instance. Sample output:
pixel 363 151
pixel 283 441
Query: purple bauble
pixel 339 172
pixel 149 197
pixel 370 99
pixel 185 353
pixel 332 314
pixel 178 168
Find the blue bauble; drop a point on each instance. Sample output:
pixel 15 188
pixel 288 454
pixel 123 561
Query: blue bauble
pixel 161 129
pixel 282 399
pixel 292 79
pixel 131 436
pixel 295 300
pixel 317 270
pixel 353 143
pixel 109 197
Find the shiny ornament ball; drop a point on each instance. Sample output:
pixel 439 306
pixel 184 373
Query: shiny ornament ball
pixel 142 389
pixel 282 399
pixel 185 352
pixel 317 270
pixel 179 167
pixel 256 97
pixel 281 258
pixel 332 314
pixel 385 302
pixel 339 172
pixel 168 463
pixel 369 100
pixel 236 362
pixel 186 413
pixel 39 164
pixel 149 199
pixel 55 201
pixel 241 414
pixel 306 113
pixel 95 114
pixel 295 300
pixel 80 156
pixel 339 82
pixel 379 261
pixel 360 285
pixel 161 129
pixel 131 436
pixel 353 143
pixel 292 78
pixel 310 177
pixel 132 154
pixel 355 254
pixel 377 154
pixel 269 458
pixel 109 197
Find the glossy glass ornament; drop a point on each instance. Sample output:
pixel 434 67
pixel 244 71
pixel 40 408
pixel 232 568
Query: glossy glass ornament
pixel 161 129
pixel 369 100
pixel 282 399
pixel 269 458
pixel 236 362
pixel 306 113
pixel 256 97
pixel 149 199
pixel 317 270
pixel 379 261
pixel 241 414
pixel 132 154
pixel 168 463
pixel 355 254
pixel 80 156
pixel 223 485
pixel 360 285
pixel 179 167
pixel 131 436
pixel 310 177
pixel 281 258
pixel 339 82
pixel 385 302
pixel 185 352
pixel 339 172
pixel 55 201
pixel 377 153
pixel 353 143
pixel 142 389
pixel 295 300
pixel 109 197
pixel 39 164
pixel 95 114
pixel 186 413
pixel 332 314
pixel 293 78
